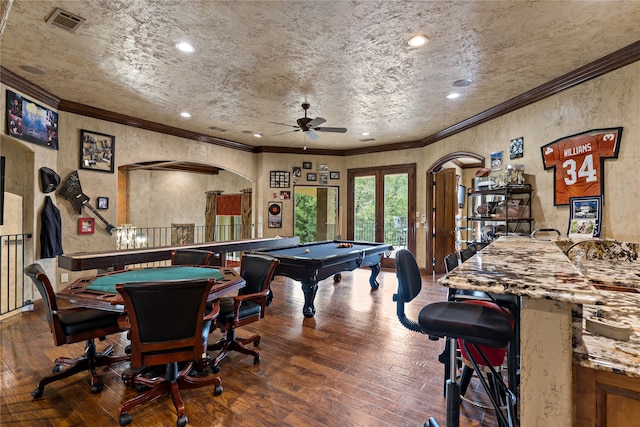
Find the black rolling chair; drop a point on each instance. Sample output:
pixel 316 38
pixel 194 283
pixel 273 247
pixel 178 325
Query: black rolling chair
pixel 475 325
pixel 70 326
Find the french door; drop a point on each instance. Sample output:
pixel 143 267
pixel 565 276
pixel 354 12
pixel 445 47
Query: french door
pixel 381 206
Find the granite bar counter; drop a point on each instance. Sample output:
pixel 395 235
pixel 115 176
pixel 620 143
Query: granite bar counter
pixel 553 292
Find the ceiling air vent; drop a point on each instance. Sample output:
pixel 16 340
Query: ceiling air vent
pixel 217 129
pixel 65 20
pixel 367 140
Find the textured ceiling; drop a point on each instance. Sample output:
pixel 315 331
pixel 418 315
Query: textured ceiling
pixel 256 62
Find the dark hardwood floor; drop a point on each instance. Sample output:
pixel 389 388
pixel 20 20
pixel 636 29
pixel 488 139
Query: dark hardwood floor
pixel 351 365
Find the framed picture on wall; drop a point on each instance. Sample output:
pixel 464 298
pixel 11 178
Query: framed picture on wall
pixel 307 165
pixel 85 225
pixel 334 175
pixel 97 151
pixel 496 161
pixel 312 176
pixel 103 203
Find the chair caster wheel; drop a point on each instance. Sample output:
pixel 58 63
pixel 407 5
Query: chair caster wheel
pixel 97 388
pixel 216 369
pixel 256 343
pixel 182 421
pixel 56 369
pixel 217 390
pixel 38 392
pixel 125 419
pixel 140 387
pixel 256 360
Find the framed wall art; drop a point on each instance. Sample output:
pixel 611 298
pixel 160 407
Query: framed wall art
pixel 279 179
pixel 307 165
pixel 334 175
pixel 516 148
pixel 103 203
pixel 31 122
pixel 85 225
pixel 496 161
pixel 97 151
pixel 312 176
pixel 297 172
pixel 585 217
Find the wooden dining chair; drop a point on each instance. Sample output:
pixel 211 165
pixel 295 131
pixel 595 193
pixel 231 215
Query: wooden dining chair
pixel 74 325
pixel 167 324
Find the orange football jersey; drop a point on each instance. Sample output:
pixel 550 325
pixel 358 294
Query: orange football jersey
pixel 578 162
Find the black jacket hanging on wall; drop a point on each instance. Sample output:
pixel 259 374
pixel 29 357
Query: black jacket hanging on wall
pixel 50 231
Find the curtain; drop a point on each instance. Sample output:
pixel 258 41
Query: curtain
pixel 246 214
pixel 210 213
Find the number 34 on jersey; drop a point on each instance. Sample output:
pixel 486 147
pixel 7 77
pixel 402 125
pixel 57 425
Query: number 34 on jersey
pixel 578 161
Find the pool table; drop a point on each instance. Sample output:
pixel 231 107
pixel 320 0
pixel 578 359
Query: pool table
pixel 312 262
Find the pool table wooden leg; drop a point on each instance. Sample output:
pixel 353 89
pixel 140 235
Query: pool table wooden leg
pixel 309 289
pixel 375 270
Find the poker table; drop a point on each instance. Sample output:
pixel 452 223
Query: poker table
pixel 312 262
pixel 99 291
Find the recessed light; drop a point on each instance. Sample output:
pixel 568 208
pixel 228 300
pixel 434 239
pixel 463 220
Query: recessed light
pixel 32 70
pixel 365 133
pixel 418 40
pixel 462 83
pixel 185 114
pixel 185 47
pixel 453 95
pixel 257 135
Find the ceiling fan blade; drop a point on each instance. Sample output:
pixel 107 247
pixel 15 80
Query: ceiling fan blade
pixel 289 131
pixel 276 123
pixel 326 129
pixel 311 134
pixel 315 122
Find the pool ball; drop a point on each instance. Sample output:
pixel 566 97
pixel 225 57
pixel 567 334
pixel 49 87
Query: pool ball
pixel 306 251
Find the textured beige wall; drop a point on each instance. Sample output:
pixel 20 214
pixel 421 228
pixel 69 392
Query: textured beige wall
pixel 608 101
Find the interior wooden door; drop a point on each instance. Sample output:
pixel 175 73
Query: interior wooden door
pixel 445 190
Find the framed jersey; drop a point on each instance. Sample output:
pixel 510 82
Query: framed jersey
pixel 578 162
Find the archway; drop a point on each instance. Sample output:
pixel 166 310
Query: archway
pixel 459 160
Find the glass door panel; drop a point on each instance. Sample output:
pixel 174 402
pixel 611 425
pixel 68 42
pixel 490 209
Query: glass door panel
pixel 315 213
pixel 364 203
pixel 396 210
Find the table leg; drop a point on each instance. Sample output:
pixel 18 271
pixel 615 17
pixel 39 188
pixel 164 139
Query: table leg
pixel 309 289
pixel 375 270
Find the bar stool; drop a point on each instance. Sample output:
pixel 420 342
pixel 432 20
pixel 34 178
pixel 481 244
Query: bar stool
pixel 476 326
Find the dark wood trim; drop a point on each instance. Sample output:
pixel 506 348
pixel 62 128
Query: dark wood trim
pixel 618 59
pixel 29 89
pixel 110 116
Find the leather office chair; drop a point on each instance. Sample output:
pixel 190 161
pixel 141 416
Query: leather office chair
pixel 74 325
pixel 475 324
pixel 248 307
pixel 191 257
pixel 167 324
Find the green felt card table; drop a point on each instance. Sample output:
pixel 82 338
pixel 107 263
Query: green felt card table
pixel 100 291
pixel 311 262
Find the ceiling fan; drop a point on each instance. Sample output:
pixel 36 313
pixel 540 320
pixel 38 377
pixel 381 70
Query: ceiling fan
pixel 310 126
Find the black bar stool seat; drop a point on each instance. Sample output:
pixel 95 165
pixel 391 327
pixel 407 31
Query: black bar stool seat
pixel 470 322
